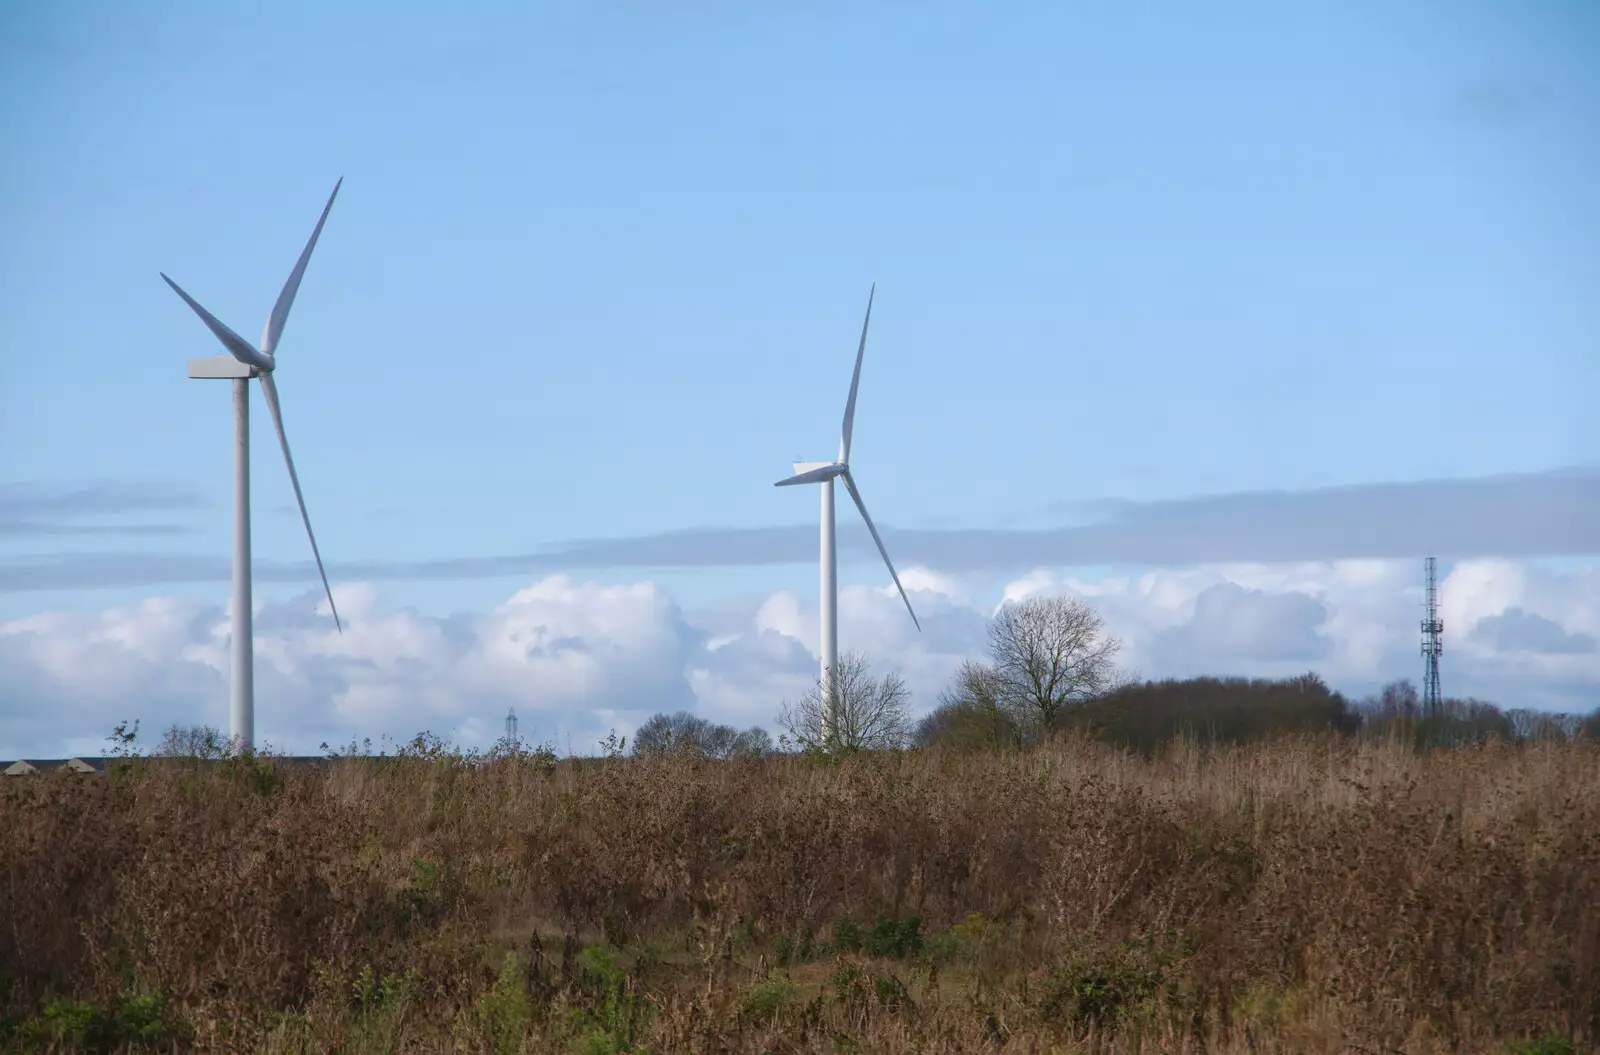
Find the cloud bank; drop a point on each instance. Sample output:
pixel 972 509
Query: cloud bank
pixel 35 510
pixel 576 659
pixel 1518 515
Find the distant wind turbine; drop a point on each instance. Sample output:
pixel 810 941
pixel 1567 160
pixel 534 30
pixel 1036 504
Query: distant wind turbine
pixel 248 362
pixel 825 473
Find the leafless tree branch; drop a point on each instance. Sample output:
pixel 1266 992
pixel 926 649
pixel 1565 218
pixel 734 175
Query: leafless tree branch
pixel 1050 654
pixel 868 713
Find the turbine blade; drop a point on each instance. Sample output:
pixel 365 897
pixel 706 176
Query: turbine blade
pixel 855 383
pixel 850 485
pixel 812 476
pixel 280 310
pixel 269 389
pixel 238 346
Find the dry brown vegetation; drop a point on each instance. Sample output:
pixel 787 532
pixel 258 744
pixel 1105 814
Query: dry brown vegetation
pixel 1306 895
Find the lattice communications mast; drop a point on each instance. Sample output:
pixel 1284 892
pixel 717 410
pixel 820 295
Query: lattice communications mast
pixel 1432 628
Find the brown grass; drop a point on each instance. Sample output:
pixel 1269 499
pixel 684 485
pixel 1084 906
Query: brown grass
pixel 1315 895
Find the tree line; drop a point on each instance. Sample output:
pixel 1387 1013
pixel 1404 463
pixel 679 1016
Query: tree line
pixel 1051 667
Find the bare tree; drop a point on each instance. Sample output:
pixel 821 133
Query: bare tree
pixel 858 712
pixel 689 733
pixel 193 741
pixel 1050 654
pixel 754 741
pixel 1394 710
pixel 1400 699
pixel 668 732
pixel 971 712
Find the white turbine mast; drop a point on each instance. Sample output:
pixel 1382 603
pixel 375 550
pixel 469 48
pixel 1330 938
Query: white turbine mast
pixel 825 473
pixel 243 363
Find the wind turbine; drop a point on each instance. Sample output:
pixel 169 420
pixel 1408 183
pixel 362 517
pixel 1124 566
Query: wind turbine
pixel 247 362
pixel 825 473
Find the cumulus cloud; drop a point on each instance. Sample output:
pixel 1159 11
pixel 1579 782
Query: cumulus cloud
pixel 567 655
pixel 1234 624
pixel 1356 622
pixel 578 658
pixel 1516 630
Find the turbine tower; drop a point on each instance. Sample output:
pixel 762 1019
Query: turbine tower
pixel 825 473
pixel 1432 628
pixel 248 362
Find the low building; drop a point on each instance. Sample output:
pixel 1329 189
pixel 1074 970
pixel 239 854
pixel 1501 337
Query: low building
pixel 24 767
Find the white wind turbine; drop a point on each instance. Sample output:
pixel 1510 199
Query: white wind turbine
pixel 825 473
pixel 247 362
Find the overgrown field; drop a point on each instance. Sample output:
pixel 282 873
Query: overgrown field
pixel 1310 895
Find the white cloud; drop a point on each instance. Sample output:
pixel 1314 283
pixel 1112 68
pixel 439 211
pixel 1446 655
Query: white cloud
pixel 1526 624
pixel 1234 624
pixel 918 579
pixel 577 658
pixel 560 652
pixel 1367 614
pixel 1516 630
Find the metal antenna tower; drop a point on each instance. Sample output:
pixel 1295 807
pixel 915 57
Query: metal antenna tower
pixel 511 726
pixel 1432 628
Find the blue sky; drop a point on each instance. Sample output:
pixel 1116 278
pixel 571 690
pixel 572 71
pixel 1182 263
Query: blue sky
pixel 597 269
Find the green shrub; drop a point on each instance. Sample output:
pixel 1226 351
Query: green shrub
pixel 504 1013
pixel 788 950
pixel 770 996
pixel 891 992
pixel 846 937
pixel 1545 1046
pixel 88 1027
pixel 895 938
pixel 1098 991
pixel 617 1016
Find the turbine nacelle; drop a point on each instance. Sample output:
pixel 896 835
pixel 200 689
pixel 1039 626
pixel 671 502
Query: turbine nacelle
pixel 814 473
pixel 221 368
